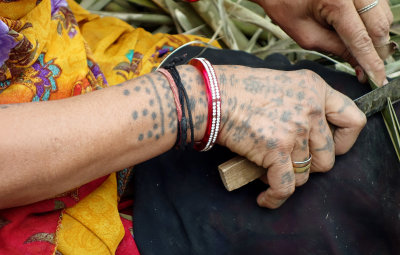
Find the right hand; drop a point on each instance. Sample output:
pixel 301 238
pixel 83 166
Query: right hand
pixel 276 117
pixel 336 27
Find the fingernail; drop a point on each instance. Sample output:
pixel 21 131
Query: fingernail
pixel 261 201
pixel 385 82
pixel 360 74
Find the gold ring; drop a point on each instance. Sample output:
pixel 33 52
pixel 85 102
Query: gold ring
pixel 300 170
pixel 302 166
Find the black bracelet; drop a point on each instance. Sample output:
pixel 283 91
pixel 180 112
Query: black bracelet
pixel 184 100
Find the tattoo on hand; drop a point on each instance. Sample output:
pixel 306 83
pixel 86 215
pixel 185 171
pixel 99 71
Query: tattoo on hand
pixel 346 103
pixel 287 177
pixel 329 146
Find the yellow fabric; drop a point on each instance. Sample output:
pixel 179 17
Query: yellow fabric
pixel 16 10
pixel 93 225
pixel 54 59
pixel 39 31
pixel 111 39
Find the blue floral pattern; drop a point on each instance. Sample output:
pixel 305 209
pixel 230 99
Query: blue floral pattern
pixel 47 74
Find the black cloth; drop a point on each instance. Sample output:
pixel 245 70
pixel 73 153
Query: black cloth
pixel 182 207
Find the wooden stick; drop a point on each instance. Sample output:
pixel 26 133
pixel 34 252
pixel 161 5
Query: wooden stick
pixel 239 171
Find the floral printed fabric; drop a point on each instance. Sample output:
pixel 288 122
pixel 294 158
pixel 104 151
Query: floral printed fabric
pixel 46 55
pixel 7 42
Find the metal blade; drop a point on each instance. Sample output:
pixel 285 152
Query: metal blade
pixel 376 100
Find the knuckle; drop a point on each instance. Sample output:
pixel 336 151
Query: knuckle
pixel 330 9
pixel 324 166
pixel 302 128
pixel 302 181
pixel 362 40
pixel 310 73
pixel 389 17
pixel 380 29
pixel 360 122
pixel 309 42
pixel 283 142
pixel 285 192
pixel 378 66
pixel 315 80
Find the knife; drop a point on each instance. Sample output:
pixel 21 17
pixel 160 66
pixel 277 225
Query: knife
pixel 239 171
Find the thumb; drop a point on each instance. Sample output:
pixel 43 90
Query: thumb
pixel 345 115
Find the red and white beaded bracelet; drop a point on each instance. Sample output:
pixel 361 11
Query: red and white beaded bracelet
pixel 214 103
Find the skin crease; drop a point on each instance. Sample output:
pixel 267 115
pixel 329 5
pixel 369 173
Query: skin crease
pixel 271 117
pixel 336 27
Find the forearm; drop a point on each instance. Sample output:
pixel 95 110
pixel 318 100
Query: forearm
pixel 50 147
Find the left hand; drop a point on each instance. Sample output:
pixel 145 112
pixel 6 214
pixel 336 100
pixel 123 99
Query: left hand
pixel 336 27
pixel 275 118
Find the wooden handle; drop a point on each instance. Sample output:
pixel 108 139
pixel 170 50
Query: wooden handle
pixel 239 171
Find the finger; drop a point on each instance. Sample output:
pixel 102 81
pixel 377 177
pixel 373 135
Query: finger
pixel 301 153
pixel 322 147
pixel 322 40
pixel 264 178
pixel 345 115
pixel 281 180
pixel 348 24
pixel 325 40
pixel 376 22
pixel 388 12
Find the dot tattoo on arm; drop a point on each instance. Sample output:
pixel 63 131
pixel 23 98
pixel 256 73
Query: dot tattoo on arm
pixel 135 115
pixel 141 136
pixel 159 103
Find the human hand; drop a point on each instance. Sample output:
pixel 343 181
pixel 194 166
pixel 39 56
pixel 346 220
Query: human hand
pixel 275 117
pixel 336 27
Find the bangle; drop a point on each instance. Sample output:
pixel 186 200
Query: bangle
pixel 178 105
pixel 181 99
pixel 174 89
pixel 214 103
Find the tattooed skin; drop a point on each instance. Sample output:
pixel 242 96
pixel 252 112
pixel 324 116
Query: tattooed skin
pixel 266 115
pixel 154 110
pixel 346 103
pixel 287 177
pixel 160 109
pixel 269 116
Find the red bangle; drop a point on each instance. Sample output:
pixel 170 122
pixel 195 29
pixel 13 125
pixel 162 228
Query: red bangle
pixel 174 89
pixel 214 103
pixel 178 105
